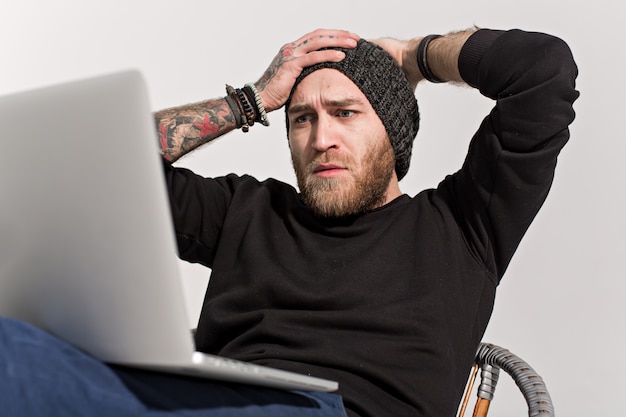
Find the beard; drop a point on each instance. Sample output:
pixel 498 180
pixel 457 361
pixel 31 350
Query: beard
pixel 347 195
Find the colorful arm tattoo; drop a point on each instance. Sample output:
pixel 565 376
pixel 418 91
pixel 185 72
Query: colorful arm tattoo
pixel 183 129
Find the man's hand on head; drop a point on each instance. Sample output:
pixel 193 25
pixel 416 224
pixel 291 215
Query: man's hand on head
pixel 276 83
pixel 402 52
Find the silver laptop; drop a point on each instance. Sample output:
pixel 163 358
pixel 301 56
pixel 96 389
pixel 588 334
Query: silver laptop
pixel 87 249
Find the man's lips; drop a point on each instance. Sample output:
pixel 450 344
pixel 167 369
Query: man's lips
pixel 328 170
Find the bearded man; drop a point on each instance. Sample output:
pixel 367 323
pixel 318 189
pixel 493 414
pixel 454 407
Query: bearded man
pixel 347 278
pixel 350 279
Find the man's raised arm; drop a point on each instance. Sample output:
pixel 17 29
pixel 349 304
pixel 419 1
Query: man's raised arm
pixel 183 129
pixel 511 160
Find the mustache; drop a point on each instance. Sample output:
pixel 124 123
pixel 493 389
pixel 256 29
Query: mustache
pixel 330 157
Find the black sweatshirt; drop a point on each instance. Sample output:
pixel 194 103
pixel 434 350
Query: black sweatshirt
pixel 393 303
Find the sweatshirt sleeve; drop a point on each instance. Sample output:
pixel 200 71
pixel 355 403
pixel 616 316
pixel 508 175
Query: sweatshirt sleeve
pixel 511 160
pixel 198 206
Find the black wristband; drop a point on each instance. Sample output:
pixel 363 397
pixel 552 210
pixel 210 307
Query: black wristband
pixel 422 62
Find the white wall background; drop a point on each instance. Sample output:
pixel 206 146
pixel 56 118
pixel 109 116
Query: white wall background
pixel 561 305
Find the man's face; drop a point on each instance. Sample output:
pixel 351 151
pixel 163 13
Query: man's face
pixel 340 150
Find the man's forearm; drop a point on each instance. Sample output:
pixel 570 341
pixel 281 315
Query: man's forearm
pixel 183 129
pixel 442 56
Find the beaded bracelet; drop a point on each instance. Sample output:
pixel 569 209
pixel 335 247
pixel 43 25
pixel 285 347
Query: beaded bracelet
pixel 259 104
pixel 422 62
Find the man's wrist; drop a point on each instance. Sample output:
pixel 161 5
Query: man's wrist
pixel 422 59
pixel 438 56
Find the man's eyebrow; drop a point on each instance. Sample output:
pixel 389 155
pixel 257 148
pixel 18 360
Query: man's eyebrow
pixel 299 108
pixel 345 102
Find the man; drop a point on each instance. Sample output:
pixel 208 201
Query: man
pixel 350 279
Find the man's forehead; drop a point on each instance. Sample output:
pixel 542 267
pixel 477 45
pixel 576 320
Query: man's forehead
pixel 327 86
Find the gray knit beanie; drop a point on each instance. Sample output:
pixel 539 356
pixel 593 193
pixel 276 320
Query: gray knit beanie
pixel 386 87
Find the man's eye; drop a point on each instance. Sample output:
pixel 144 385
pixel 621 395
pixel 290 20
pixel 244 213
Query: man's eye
pixel 303 119
pixel 346 113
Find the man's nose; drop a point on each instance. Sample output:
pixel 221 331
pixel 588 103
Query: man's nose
pixel 324 135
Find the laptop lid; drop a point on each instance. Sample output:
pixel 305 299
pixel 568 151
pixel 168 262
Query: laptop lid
pixel 87 250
